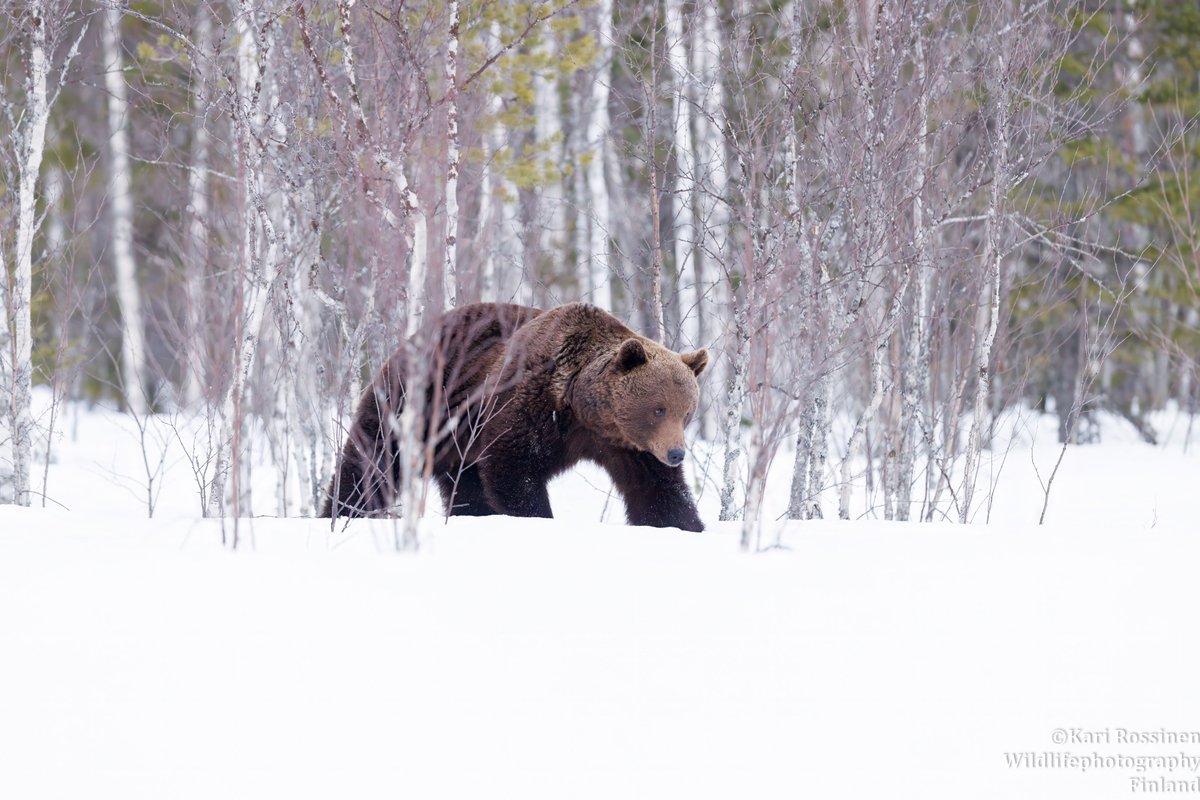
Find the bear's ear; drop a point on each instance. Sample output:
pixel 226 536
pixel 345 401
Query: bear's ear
pixel 632 354
pixel 696 360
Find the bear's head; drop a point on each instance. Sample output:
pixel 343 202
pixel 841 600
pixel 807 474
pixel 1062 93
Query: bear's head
pixel 641 395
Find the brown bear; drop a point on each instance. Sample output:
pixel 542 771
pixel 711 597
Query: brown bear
pixel 525 394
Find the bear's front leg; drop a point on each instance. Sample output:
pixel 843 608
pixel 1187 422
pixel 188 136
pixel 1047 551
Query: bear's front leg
pixel 514 490
pixel 463 494
pixel 364 485
pixel 655 494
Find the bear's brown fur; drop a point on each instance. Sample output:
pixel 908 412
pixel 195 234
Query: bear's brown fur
pixel 524 395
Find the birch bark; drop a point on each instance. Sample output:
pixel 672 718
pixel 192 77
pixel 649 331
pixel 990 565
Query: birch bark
pixel 413 487
pixel 708 189
pixel 31 140
pixel 501 280
pixel 548 217
pixel 795 232
pixel 733 413
pixel 450 272
pixel 600 281
pixel 650 140
pixel 498 283
pixel 987 323
pixel 915 370
pixel 741 298
pixel 120 199
pixel 684 174
pixel 196 242
pixel 253 280
pixel 8 492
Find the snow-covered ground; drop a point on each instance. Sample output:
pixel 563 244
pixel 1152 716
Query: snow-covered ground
pixel 584 658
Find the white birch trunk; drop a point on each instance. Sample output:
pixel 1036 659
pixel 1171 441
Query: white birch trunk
pixel 54 256
pixel 733 417
pixel 878 360
pixel 120 198
pixel 581 231
pixel 489 215
pixel 741 304
pixel 656 258
pixel 683 177
pixel 254 288
pixel 497 210
pixel 878 357
pixel 795 230
pixel 307 383
pixel 284 273
pixel 450 273
pixel 194 378
pixel 416 278
pixel 1135 141
pixel 31 142
pixel 54 247
pixel 356 108
pixel 822 423
pixel 7 379
pixel 406 426
pixel 915 390
pixel 8 384
pixel 987 323
pixel 650 145
pixel 548 217
pixel 708 189
pixel 502 280
pixel 798 495
pixel 756 485
pixel 600 279
pixel 915 377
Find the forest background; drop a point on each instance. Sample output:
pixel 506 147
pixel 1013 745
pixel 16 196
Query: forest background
pixel 910 216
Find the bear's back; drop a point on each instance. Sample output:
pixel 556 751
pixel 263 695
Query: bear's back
pixel 471 341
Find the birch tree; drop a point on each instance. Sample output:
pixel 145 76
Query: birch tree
pixel 600 281
pixel 738 56
pixel 915 377
pixel 258 246
pixel 196 240
pixel 452 157
pixel 120 199
pixel 42 26
pixel 547 220
pixel 708 192
pixel 683 153
pixel 998 88
pixel 31 144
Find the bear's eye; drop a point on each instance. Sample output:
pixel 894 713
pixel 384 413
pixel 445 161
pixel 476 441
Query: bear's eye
pixel 660 412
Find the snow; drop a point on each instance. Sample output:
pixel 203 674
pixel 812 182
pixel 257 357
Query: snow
pixel 587 659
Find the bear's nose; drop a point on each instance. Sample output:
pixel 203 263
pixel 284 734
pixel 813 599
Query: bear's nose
pixel 675 456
